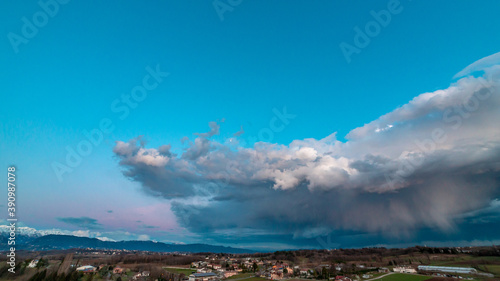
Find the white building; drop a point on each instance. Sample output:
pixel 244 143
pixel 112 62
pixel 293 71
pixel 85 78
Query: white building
pixel 86 268
pixel 203 276
pixel 33 263
pixel 449 269
pixel 404 269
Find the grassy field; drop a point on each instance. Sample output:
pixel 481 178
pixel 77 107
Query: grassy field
pixel 256 279
pixel 376 274
pixel 492 268
pixel 404 277
pixel 486 264
pixel 466 261
pixel 186 271
pixel 241 275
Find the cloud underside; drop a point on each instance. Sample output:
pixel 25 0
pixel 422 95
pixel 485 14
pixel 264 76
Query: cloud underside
pixel 425 165
pixel 81 222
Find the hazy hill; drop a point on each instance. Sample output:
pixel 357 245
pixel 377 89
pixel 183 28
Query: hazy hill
pixel 62 242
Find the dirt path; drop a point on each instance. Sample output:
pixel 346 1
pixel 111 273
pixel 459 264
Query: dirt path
pixel 381 276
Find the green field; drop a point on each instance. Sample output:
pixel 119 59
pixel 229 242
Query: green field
pixel 256 279
pixel 404 277
pixel 492 268
pixel 186 271
pixel 241 275
pixel 467 261
pixel 376 274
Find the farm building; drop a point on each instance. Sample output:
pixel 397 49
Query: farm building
pixel 203 276
pixel 448 269
pixel 86 268
pixel 404 269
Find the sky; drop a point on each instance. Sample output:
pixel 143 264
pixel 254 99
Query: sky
pixel 254 124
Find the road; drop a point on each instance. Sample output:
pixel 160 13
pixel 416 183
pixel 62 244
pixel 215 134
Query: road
pixel 381 276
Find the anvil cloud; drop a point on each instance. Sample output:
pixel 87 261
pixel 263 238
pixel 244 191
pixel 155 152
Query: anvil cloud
pixel 426 165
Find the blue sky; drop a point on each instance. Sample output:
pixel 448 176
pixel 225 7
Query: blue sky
pixel 237 71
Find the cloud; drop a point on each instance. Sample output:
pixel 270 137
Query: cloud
pixel 148 226
pixel 239 133
pixel 488 214
pixel 143 237
pixel 479 65
pixel 420 166
pixel 214 130
pixel 84 222
pixel 25 230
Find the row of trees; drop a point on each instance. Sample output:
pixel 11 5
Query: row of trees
pixel 44 276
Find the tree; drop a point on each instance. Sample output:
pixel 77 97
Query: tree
pixel 41 263
pixel 324 273
pixel 255 266
pixel 285 270
pixel 39 276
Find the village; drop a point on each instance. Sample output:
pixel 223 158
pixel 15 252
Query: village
pixel 215 268
pixel 412 264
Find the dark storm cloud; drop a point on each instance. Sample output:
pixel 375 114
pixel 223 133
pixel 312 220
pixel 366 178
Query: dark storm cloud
pixel 83 222
pixel 432 164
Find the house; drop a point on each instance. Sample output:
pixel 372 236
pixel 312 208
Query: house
pixel 86 269
pixel 383 270
pixel 215 266
pixel 305 272
pixel 33 263
pixel 203 270
pixel 199 264
pixel 230 273
pixel 339 266
pixel 101 266
pixel 276 275
pixel 118 270
pixel 137 276
pixel 342 278
pixel 203 276
pixel 145 273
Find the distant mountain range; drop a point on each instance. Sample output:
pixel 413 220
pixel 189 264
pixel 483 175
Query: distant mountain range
pixel 64 242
